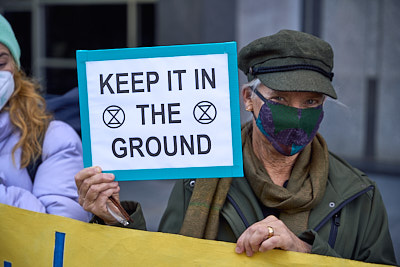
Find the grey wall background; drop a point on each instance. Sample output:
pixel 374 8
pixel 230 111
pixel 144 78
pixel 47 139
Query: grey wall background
pixel 362 125
pixel 366 42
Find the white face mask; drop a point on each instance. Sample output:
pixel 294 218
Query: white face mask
pixel 6 87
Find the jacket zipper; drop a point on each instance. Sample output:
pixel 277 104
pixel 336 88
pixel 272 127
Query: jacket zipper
pixel 236 207
pixel 335 215
pixel 334 229
pixel 344 203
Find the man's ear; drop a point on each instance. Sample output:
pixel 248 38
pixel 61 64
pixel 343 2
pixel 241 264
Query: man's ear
pixel 247 94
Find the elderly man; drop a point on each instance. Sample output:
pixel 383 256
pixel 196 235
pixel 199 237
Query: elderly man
pixel 295 194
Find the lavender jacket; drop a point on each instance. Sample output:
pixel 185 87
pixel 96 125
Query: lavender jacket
pixel 54 190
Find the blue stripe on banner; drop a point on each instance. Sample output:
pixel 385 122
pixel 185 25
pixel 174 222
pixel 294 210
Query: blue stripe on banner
pixel 59 250
pixel 7 264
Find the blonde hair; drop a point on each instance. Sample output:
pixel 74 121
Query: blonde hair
pixel 28 114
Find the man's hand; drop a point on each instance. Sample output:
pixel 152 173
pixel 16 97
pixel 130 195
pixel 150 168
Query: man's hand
pixel 255 238
pixel 94 189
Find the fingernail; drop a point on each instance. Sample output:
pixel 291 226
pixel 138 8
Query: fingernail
pixel 238 250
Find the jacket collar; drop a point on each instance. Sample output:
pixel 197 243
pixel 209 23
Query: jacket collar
pixel 344 184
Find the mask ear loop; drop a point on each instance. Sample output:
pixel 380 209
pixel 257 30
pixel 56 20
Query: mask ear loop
pixel 261 97
pixel 254 116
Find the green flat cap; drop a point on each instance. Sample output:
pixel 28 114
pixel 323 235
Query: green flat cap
pixel 290 61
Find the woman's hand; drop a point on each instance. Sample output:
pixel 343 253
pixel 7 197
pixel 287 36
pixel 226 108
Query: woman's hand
pixel 255 238
pixel 94 189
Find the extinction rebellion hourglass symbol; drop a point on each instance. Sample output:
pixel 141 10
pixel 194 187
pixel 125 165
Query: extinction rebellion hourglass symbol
pixel 205 112
pixel 113 116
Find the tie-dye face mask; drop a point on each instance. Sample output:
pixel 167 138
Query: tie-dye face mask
pixel 288 129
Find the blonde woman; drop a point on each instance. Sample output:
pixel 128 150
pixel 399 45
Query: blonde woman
pixel 29 136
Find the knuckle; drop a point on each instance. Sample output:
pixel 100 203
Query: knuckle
pixel 93 192
pixel 106 176
pixel 94 187
pixel 254 245
pixel 104 193
pixel 280 223
pixel 264 247
pixel 85 183
pixel 270 219
pixel 253 231
pixel 274 242
pixel 85 206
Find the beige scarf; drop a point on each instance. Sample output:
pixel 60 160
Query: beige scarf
pixel 305 189
pixel 202 215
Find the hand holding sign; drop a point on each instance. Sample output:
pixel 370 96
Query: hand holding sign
pixel 161 112
pixel 94 190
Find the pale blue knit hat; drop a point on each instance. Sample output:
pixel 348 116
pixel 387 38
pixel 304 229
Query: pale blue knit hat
pixel 7 38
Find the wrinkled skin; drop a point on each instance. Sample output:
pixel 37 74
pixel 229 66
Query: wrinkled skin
pixel 94 190
pixel 255 238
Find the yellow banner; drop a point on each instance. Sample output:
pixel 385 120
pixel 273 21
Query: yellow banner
pixel 34 239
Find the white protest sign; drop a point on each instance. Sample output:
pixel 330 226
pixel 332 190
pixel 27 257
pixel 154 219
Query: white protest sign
pixel 161 113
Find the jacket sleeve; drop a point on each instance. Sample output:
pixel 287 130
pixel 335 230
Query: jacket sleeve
pixel 373 243
pixel 376 245
pixel 172 219
pixel 21 198
pixel 319 245
pixel 135 212
pixel 54 182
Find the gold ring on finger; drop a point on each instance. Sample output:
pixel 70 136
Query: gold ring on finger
pixel 270 232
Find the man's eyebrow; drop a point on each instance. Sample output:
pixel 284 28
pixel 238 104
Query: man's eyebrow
pixel 277 93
